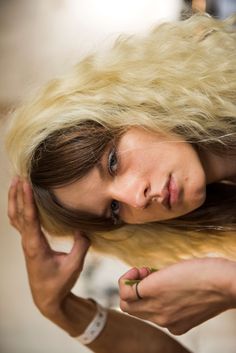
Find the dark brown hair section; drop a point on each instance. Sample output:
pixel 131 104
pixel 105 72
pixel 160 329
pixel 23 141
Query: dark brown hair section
pixel 218 213
pixel 65 156
pixel 69 154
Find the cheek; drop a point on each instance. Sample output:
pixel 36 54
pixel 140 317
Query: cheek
pixel 153 213
pixel 195 189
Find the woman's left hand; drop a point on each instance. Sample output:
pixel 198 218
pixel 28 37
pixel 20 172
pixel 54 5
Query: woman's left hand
pixel 181 296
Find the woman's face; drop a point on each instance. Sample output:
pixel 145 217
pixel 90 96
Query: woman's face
pixel 142 177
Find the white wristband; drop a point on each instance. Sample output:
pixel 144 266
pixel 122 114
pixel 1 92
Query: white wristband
pixel 95 327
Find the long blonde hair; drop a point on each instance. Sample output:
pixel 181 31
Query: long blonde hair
pixel 180 78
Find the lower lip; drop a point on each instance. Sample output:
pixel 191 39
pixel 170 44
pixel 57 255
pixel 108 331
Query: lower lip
pixel 174 193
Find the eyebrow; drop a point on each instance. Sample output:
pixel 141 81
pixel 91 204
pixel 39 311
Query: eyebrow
pixel 103 175
pixel 106 214
pixel 74 209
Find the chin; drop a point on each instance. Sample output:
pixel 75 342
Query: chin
pixel 198 200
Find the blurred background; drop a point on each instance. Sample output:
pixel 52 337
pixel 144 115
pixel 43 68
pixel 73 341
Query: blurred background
pixel 38 41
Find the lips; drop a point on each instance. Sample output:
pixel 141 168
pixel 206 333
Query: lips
pixel 173 192
pixel 166 193
pixel 166 202
pixel 169 194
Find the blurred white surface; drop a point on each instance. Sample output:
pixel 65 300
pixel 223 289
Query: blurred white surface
pixel 40 39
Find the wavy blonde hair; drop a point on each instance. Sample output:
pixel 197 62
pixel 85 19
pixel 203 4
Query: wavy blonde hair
pixel 180 78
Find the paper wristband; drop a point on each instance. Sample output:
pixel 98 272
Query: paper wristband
pixel 95 327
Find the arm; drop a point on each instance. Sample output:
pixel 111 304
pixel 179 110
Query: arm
pixel 122 333
pixel 52 275
pixel 183 295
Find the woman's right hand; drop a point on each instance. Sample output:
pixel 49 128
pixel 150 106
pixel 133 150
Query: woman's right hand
pixel 51 274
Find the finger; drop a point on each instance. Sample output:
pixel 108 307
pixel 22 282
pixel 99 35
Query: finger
pixel 12 209
pixel 19 198
pixel 130 277
pixel 34 241
pixel 129 292
pixel 138 308
pixel 131 274
pixel 78 252
pixel 144 272
pixel 30 211
pixel 127 285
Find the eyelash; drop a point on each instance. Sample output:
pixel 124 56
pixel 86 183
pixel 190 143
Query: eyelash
pixel 112 154
pixel 112 166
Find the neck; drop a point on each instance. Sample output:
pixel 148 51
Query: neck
pixel 218 168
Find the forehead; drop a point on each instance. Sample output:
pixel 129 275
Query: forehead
pixel 86 194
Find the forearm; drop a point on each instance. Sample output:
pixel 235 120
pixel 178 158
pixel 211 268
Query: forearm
pixel 122 333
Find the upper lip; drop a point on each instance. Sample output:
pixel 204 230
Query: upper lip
pixel 164 197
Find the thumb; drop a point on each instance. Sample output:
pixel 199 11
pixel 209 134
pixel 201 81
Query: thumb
pixel 79 250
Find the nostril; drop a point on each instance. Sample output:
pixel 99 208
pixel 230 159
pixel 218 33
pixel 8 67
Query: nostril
pixel 146 191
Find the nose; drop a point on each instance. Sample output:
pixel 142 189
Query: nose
pixel 134 193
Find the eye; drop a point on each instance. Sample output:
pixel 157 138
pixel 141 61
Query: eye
pixel 112 162
pixel 112 166
pixel 115 209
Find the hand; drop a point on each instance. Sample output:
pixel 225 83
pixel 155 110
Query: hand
pixel 51 274
pixel 183 295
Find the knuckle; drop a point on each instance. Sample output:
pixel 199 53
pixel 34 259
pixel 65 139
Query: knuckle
pixel 24 247
pixel 14 223
pixel 123 306
pixel 10 214
pixel 127 297
pixel 28 218
pixel 123 295
pixel 26 223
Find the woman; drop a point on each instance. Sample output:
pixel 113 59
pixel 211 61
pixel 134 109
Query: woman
pixel 52 276
pixel 143 134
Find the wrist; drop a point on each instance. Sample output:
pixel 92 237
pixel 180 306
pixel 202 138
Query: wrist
pixel 50 311
pixel 95 327
pixel 73 315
